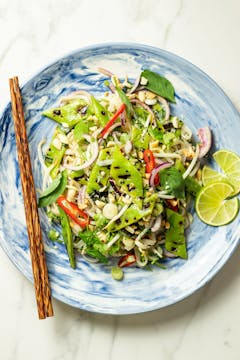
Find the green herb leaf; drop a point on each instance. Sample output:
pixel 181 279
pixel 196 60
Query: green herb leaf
pixel 172 180
pixel 100 220
pixel 95 247
pixel 159 85
pixel 156 133
pixel 53 192
pixel 192 186
pixel 175 240
pixel 168 137
pixel 125 100
pixel 138 140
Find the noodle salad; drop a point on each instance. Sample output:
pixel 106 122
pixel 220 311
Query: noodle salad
pixel 120 172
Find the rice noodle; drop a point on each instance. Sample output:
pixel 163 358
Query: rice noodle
pixel 166 107
pixel 195 169
pixel 114 239
pixel 192 164
pixel 94 151
pixel 167 155
pixel 80 94
pixel 121 212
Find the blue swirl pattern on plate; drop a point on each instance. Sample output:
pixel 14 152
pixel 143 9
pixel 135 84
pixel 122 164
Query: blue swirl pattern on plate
pixel 200 102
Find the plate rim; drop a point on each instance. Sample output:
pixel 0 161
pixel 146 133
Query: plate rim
pixel 217 267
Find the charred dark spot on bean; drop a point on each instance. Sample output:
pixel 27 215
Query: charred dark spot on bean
pixel 147 205
pixel 180 223
pixel 126 220
pixel 116 167
pixel 57 112
pixel 124 176
pixel 103 112
pixel 114 186
pixel 118 221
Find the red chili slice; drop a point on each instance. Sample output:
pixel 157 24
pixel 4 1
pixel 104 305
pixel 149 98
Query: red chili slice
pixel 112 120
pixel 149 159
pixel 73 211
pixel 172 204
pixel 127 260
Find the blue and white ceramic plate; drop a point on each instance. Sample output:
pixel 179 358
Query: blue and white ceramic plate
pixel 199 101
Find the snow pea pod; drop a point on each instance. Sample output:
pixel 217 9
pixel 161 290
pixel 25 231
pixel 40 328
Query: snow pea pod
pixel 134 214
pixel 54 155
pixel 99 111
pixel 127 177
pixel 55 189
pixel 67 236
pixel 100 174
pixel 69 114
pixel 175 239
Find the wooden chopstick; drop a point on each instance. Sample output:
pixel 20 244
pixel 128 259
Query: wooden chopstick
pixel 39 267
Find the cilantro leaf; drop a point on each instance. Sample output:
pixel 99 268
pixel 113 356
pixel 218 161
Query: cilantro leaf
pixel 94 246
pixel 192 186
pixel 172 180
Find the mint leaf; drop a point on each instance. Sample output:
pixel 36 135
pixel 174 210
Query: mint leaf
pixel 159 85
pixel 192 186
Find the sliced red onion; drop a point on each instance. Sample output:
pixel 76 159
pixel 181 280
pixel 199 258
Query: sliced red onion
pixel 123 118
pixel 169 254
pixel 166 106
pixel 135 85
pixel 81 196
pixel 105 72
pixel 156 226
pixel 205 137
pixel 155 171
pixel 94 151
pixel 143 105
pixel 128 147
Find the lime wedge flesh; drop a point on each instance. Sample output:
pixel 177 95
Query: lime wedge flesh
pixel 229 162
pixel 209 175
pixel 212 205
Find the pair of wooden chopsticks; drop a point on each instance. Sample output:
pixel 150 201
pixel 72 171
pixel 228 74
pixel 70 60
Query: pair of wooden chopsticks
pixel 39 267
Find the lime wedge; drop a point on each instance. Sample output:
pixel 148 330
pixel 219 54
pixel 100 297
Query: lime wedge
pixel 229 162
pixel 209 175
pixel 212 205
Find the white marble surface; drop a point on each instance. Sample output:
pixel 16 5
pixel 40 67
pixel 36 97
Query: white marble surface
pixel 204 326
